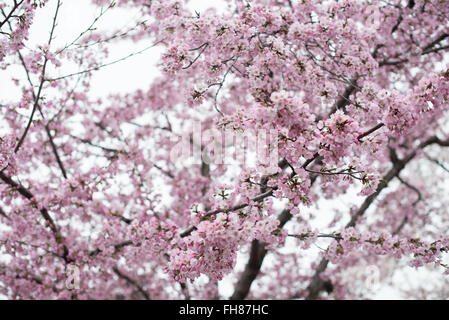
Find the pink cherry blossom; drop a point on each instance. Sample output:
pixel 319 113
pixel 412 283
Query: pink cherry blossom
pixel 127 190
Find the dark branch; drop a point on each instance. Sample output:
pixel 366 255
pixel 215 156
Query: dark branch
pixel 131 282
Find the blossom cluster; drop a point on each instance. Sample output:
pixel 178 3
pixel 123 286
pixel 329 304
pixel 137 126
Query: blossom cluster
pixel 19 26
pixel 350 240
pixel 352 93
pixel 212 248
pixel 7 144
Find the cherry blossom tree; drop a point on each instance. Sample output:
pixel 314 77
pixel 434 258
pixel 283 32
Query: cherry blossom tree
pixel 97 202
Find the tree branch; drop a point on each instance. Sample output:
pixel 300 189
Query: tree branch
pixel 39 91
pixel 254 264
pixel 131 282
pixel 45 214
pixel 317 284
